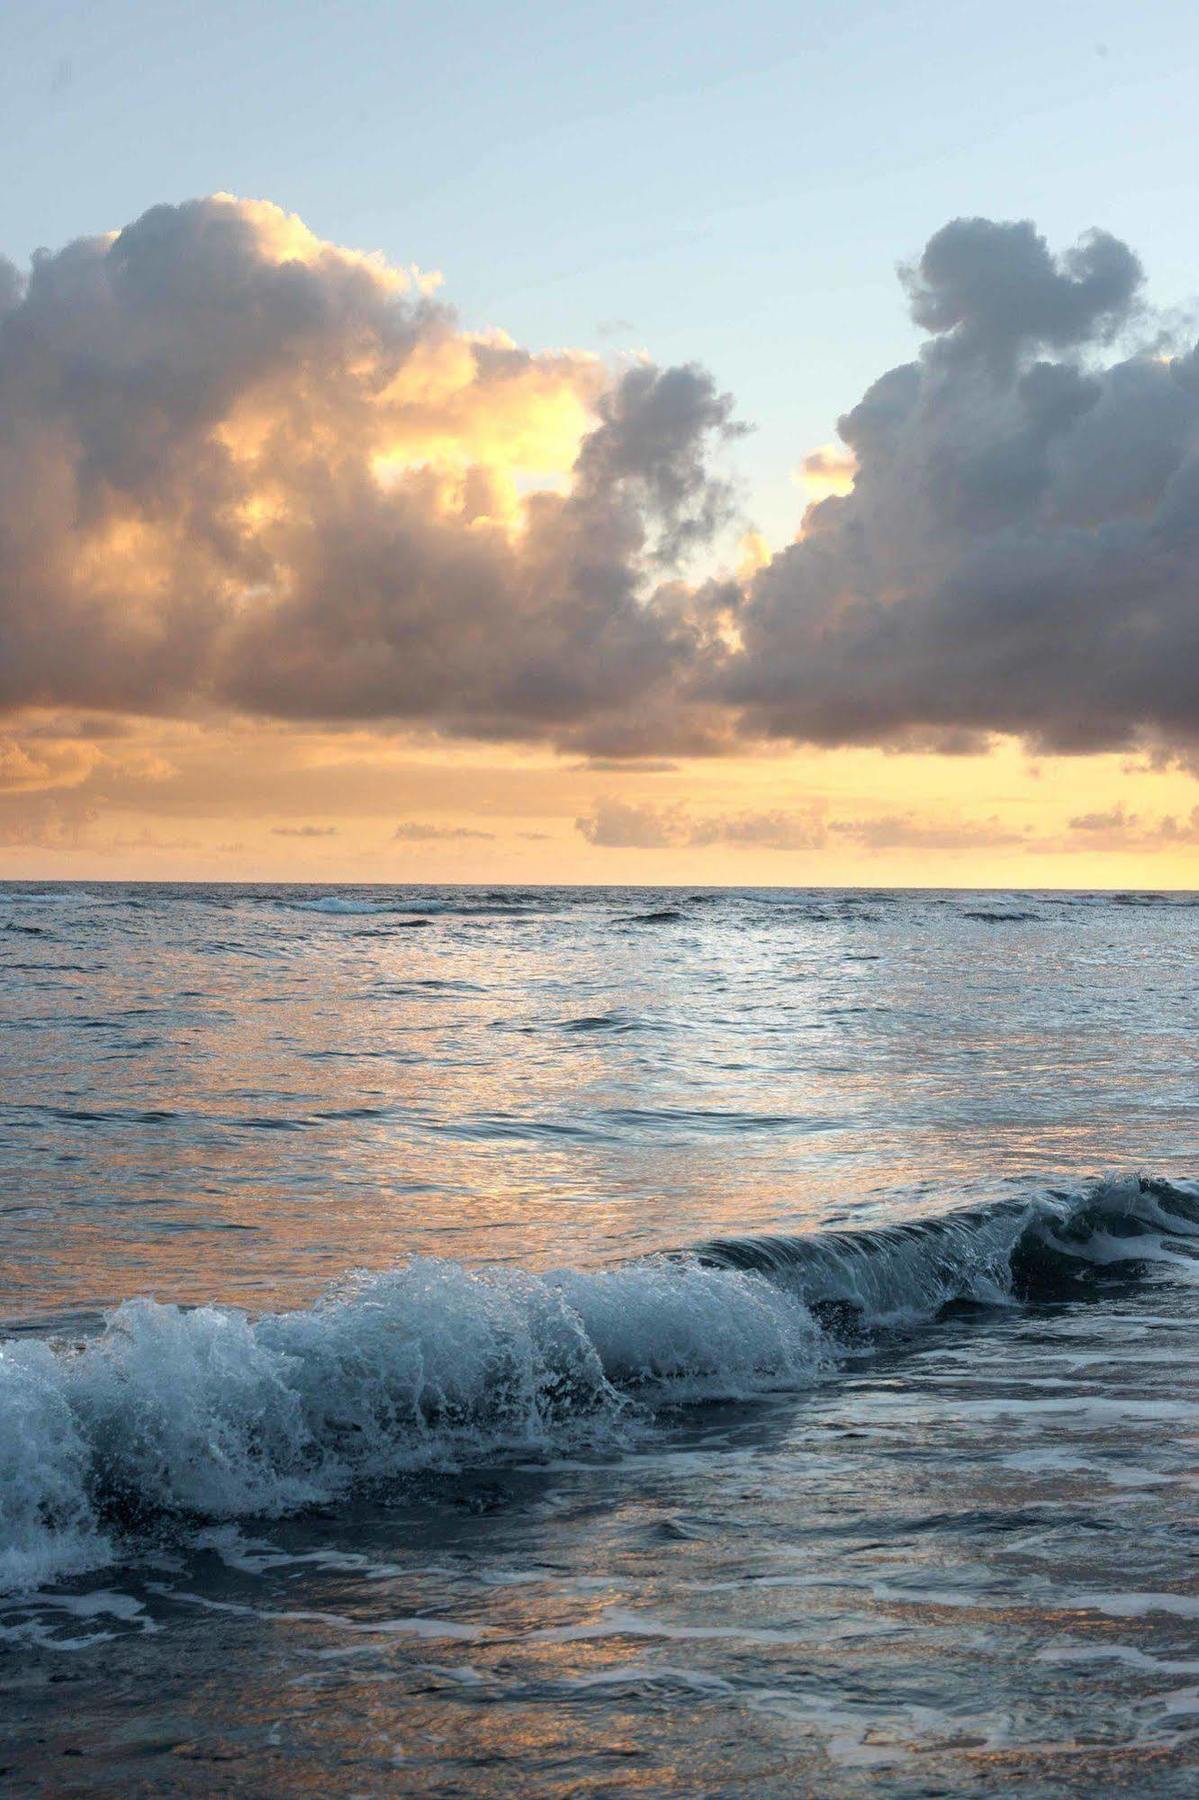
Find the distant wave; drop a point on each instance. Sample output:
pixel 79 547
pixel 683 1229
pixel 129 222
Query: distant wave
pixel 208 1413
pixel 486 908
pixel 42 896
pixel 337 903
pixel 615 1022
pixel 1167 899
pixel 995 915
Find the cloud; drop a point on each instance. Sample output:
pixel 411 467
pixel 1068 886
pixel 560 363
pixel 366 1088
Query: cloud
pixel 830 470
pixel 245 472
pixel 245 468
pixel 146 840
pixel 630 765
pixel 46 821
pixel 97 730
pixel 1114 820
pixel 1170 830
pixel 304 831
pixel 622 825
pixel 27 763
pixel 1018 551
pixel 279 775
pixel 1117 829
pixel 895 831
pixel 993 289
pixel 803 830
pixel 616 824
pixel 414 833
pixel 619 824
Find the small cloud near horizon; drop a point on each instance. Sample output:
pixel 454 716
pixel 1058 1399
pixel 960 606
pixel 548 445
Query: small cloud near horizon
pixel 413 833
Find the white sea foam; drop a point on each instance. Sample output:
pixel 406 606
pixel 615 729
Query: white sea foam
pixel 428 1367
pixel 47 1525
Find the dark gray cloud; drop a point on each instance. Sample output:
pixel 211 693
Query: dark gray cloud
pixel 1019 553
pixel 656 427
pixel 991 289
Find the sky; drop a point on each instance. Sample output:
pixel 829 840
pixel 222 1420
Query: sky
pixel 599 443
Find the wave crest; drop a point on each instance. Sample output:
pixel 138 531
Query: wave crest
pixel 1039 1248
pixel 210 1413
pixel 207 1412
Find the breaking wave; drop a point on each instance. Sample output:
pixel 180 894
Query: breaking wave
pixel 1053 1246
pixel 211 1414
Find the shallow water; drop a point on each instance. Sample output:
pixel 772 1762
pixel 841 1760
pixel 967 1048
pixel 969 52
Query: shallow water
pixel 824 1504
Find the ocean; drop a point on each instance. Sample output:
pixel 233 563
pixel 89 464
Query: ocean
pixel 597 1342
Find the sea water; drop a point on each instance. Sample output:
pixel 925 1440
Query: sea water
pixel 597 1342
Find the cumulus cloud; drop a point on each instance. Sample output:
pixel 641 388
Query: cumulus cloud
pixel 990 289
pixel 1018 552
pixel 243 469
pixel 829 470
